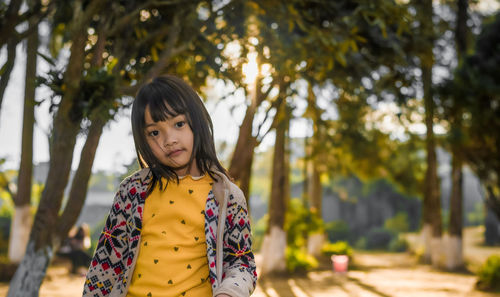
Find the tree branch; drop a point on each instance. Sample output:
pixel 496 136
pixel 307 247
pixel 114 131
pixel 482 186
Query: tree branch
pixel 9 21
pixel 7 68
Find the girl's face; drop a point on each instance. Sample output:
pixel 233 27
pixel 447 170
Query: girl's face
pixel 171 142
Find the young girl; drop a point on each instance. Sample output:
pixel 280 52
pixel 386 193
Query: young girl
pixel 178 226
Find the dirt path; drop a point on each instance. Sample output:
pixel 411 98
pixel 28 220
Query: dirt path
pixel 375 275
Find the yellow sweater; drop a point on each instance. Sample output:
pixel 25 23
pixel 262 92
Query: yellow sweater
pixel 172 258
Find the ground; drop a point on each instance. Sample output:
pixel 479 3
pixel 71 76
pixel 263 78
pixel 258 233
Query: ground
pixel 377 274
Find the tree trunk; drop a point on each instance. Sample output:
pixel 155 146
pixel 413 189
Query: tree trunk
pixel 31 271
pixel 240 168
pixel 22 223
pixel 315 191
pixel 241 163
pixel 491 227
pixel 20 227
pixel 432 228
pixel 79 185
pixel 314 188
pixel 43 240
pixel 455 247
pixel 274 244
pixel 492 200
pixel 315 239
pixel 81 179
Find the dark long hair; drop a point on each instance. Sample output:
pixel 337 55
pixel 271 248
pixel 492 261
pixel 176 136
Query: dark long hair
pixel 168 96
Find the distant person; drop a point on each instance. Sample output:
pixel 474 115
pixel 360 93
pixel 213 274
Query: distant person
pixel 75 247
pixel 178 226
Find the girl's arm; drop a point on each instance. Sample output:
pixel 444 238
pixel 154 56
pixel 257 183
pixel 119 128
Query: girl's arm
pixel 107 265
pixel 239 271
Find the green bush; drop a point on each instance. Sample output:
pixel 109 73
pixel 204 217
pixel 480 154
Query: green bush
pixel 398 245
pixel 259 231
pixel 398 223
pixel 337 231
pixel 378 238
pixel 95 233
pixel 361 243
pixel 489 274
pixel 337 248
pixel 299 261
pixel 301 221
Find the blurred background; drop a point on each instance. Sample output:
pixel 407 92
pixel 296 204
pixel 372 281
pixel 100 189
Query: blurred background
pixel 366 129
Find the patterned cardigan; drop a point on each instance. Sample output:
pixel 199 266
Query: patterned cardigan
pixel 231 262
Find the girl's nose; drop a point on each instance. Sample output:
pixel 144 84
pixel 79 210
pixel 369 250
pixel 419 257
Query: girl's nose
pixel 170 141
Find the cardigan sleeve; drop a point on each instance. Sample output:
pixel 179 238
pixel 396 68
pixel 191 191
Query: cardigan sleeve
pixel 107 265
pixel 239 270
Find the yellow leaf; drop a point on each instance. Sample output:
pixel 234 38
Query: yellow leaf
pixel 344 46
pixel 340 58
pixel 354 46
pixel 154 54
pixel 3 180
pixel 360 38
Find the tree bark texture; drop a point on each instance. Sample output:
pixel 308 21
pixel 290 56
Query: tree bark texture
pixel 431 203
pixel 20 226
pixel 79 185
pixel 456 200
pixel 43 239
pixel 23 198
pixel 278 197
pixel 241 162
pixel 31 271
pixel 314 188
pixel 8 24
pixel 240 168
pixel 26 167
pixel 455 246
pixel 274 244
pixel 7 68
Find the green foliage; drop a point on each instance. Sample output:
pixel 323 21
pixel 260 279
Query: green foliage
pixel 94 235
pixel 260 182
pixel 476 89
pixel 398 245
pixel 398 223
pixel 378 238
pixel 102 181
pixel 489 274
pixel 299 261
pixel 6 202
pixel 300 222
pixel 360 243
pixel 259 231
pixel 6 205
pixel 337 248
pixel 475 217
pixel 337 231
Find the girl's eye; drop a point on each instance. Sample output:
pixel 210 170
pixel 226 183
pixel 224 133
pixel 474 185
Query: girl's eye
pixel 153 133
pixel 180 124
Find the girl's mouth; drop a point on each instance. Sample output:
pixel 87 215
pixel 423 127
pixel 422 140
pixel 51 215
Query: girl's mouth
pixel 175 153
